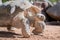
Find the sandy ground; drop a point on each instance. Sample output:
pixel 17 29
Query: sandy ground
pixel 51 33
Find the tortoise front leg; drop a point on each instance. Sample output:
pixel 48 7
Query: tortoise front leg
pixel 39 27
pixel 26 28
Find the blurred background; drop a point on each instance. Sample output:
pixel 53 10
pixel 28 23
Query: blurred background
pixel 53 1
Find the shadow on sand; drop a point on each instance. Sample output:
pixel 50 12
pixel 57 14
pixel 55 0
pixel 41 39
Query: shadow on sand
pixel 53 23
pixel 5 34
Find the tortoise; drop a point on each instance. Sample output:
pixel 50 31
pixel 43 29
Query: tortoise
pixel 14 20
pixel 54 12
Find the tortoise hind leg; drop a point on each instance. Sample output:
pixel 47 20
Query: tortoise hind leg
pixel 10 28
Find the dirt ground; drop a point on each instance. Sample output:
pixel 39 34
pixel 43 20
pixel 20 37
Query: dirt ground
pixel 51 32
